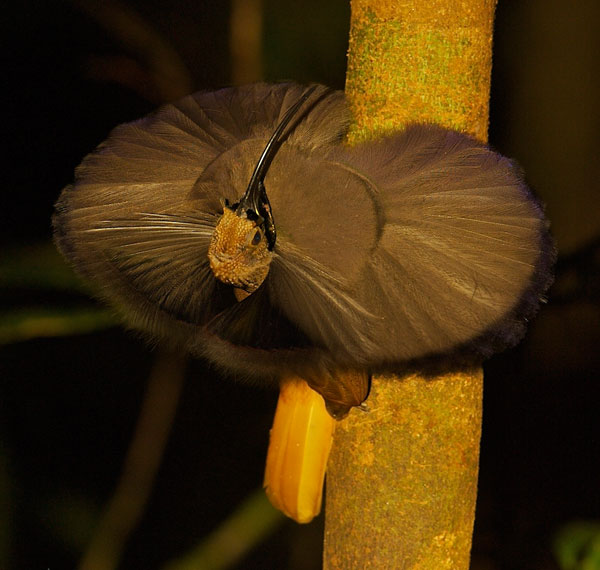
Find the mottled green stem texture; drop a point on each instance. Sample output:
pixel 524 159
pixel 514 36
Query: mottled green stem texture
pixel 402 478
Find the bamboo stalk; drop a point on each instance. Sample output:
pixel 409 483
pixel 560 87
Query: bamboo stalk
pixel 402 479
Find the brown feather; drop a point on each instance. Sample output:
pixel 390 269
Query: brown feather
pixel 422 243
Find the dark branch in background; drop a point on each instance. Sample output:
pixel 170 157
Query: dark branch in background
pixel 154 69
pixel 578 275
pixel 126 507
pixel 245 41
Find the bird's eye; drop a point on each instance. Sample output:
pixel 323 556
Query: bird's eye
pixel 257 237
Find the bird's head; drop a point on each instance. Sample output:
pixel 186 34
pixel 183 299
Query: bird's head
pixel 239 252
pixel 241 248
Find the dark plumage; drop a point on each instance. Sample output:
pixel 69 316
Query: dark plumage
pixel 421 243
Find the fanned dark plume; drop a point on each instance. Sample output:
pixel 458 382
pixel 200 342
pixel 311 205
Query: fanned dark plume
pixel 422 243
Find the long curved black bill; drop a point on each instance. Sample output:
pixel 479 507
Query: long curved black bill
pixel 255 202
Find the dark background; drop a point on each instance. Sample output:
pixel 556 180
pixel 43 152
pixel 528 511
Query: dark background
pixel 69 404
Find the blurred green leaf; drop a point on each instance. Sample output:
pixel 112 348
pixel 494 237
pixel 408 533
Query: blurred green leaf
pixel 27 324
pixel 577 546
pixel 42 267
pixel 70 517
pixel 251 523
pixel 39 266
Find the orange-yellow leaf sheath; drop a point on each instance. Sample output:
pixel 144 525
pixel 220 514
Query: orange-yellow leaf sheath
pixel 298 451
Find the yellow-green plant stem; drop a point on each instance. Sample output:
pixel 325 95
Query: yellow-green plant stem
pixel 402 479
pixel 419 61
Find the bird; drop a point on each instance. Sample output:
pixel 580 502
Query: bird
pixel 240 226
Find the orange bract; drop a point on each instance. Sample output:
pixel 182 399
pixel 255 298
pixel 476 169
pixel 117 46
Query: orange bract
pixel 301 439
